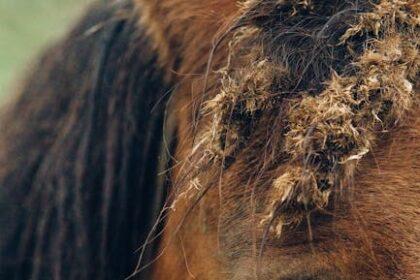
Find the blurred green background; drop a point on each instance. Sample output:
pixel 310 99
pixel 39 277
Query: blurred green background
pixel 26 27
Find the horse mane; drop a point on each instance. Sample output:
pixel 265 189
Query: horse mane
pixel 81 149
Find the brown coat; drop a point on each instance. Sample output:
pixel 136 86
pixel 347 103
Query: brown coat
pixel 285 134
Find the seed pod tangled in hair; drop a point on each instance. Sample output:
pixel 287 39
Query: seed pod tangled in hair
pixel 331 132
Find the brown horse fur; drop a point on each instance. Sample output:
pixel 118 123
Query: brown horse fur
pixel 293 98
pixel 297 145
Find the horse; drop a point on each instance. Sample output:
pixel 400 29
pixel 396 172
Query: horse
pixel 219 139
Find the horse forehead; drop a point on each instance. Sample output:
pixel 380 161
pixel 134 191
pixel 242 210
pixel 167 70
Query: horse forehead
pixel 323 146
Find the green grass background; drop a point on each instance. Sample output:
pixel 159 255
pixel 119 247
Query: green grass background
pixel 26 27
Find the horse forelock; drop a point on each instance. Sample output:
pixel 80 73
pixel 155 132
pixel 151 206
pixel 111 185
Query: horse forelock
pixel 332 77
pixel 291 97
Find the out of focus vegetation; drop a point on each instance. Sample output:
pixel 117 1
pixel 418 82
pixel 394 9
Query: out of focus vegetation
pixel 26 26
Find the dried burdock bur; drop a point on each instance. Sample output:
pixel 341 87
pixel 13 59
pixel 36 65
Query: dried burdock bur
pixel 331 132
pixel 244 93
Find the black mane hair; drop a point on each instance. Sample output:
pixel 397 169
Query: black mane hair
pixel 80 151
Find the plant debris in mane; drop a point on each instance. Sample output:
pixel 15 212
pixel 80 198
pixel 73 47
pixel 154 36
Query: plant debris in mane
pixel 360 83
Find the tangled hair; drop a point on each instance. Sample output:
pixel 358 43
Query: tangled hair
pixel 336 75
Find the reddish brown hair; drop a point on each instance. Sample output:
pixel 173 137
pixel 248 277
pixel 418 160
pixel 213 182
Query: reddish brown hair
pixel 285 133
